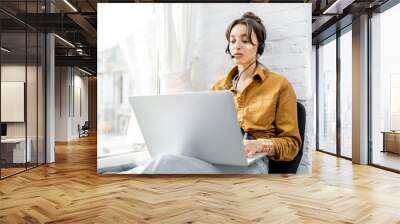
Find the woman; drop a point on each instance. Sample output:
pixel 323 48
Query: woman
pixel 265 102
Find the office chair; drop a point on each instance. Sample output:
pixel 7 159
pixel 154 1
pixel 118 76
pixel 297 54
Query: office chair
pixel 291 166
pixel 84 130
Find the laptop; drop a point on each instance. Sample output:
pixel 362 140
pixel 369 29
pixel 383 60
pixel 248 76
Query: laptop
pixel 3 131
pixel 203 125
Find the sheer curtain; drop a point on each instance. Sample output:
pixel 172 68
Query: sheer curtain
pixel 176 38
pixel 164 55
pixel 150 55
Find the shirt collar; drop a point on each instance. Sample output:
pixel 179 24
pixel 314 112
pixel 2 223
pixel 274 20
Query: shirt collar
pixel 261 72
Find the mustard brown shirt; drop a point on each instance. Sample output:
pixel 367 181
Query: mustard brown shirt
pixel 267 109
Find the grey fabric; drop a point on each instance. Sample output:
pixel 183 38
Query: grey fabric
pixel 115 169
pixel 174 164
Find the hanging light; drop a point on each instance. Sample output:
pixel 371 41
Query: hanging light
pixel 5 50
pixel 84 71
pixel 70 5
pixel 64 40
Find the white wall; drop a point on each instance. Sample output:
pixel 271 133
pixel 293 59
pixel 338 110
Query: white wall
pixel 61 103
pixel 12 73
pixel 17 73
pixel 67 116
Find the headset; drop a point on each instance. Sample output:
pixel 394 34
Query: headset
pixel 260 50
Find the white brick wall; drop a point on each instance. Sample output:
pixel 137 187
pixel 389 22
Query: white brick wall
pixel 288 51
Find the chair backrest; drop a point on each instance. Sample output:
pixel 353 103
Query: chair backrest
pixel 291 166
pixel 86 125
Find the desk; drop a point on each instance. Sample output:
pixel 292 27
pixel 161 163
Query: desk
pixel 13 150
pixel 391 141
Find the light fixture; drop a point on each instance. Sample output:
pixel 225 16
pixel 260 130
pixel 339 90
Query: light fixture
pixel 80 51
pixel 337 7
pixel 84 71
pixel 70 5
pixel 5 50
pixel 64 40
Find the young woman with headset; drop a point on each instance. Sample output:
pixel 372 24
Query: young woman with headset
pixel 265 102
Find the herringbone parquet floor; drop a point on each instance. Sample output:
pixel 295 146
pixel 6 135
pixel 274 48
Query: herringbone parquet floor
pixel 70 191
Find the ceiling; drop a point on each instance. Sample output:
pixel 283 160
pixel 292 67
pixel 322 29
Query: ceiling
pixel 76 22
pixel 77 25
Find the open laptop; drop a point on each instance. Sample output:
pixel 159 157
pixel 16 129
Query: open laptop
pixel 203 125
pixel 3 131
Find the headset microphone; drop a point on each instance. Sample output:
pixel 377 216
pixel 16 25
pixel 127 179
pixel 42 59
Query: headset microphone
pixel 227 51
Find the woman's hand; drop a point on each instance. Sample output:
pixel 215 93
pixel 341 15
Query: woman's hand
pixel 252 147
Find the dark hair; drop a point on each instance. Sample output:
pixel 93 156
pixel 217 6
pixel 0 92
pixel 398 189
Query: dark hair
pixel 252 22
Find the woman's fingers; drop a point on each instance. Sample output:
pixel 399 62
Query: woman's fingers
pixel 250 154
pixel 250 147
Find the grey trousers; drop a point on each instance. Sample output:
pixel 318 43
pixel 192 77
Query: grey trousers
pixel 174 164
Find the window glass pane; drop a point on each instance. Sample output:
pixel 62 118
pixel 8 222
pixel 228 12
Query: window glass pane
pixel 327 97
pixel 13 87
pixel 22 78
pixel 32 85
pixel 122 72
pixel 41 98
pixel 386 89
pixel 31 100
pixel 346 94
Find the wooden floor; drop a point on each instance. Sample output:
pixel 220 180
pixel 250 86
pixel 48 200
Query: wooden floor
pixel 10 171
pixel 387 159
pixel 70 191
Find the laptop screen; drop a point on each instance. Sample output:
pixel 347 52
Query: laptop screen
pixel 3 129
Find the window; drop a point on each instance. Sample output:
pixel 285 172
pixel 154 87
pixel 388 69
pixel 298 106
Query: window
pixel 131 73
pixel 346 93
pixel 385 89
pixel 22 64
pixel 327 96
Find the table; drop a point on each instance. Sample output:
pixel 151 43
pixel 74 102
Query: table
pixel 13 150
pixel 391 141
